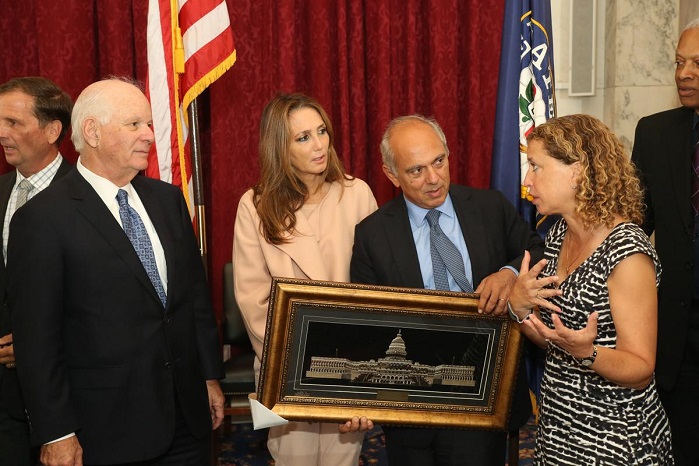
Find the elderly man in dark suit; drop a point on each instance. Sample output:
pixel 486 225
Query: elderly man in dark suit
pixel 393 247
pixel 34 118
pixel 667 155
pixel 115 338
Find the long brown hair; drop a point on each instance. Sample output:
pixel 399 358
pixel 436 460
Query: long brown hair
pixel 280 192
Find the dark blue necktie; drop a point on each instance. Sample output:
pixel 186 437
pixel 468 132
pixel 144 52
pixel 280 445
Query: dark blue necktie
pixel 136 231
pixel 445 256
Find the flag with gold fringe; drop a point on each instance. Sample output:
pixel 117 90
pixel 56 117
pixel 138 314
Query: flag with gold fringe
pixel 190 45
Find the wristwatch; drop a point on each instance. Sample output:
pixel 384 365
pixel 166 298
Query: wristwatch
pixel 588 361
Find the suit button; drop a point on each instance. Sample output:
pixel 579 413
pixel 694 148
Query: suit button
pixel 167 321
pixel 168 365
pixel 683 303
pixel 689 266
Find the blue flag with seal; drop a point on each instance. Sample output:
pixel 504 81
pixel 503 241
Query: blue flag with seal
pixel 526 98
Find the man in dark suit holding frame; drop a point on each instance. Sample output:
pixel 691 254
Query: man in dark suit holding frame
pixel 392 247
pixel 115 338
pixel 34 118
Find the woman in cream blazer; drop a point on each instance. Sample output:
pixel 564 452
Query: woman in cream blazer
pixel 297 222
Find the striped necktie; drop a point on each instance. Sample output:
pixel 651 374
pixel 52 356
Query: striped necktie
pixel 445 256
pixel 23 189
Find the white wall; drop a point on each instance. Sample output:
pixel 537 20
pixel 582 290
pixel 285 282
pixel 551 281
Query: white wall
pixel 634 59
pixel 561 17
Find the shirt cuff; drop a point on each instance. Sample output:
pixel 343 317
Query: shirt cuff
pixel 514 316
pixel 62 438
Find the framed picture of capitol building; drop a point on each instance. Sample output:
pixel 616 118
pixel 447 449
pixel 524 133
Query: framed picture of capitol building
pixel 399 356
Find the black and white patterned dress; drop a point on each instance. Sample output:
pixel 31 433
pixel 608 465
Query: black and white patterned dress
pixel 584 418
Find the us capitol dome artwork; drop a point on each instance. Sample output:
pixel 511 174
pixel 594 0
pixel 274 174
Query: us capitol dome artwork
pixel 394 369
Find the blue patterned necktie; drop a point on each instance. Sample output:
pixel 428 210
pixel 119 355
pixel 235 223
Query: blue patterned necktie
pixel 136 231
pixel 445 256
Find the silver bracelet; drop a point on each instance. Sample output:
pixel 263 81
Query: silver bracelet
pixel 514 316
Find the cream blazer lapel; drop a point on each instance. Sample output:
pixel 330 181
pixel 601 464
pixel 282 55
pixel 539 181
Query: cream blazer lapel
pixel 304 248
pixel 304 251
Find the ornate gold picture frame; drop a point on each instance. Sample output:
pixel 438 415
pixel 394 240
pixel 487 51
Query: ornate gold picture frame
pixel 399 356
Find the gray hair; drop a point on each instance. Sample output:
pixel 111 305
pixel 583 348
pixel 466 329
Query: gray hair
pixel 693 24
pixel 92 103
pixel 389 158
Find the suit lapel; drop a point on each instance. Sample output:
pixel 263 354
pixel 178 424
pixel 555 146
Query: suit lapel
pixel 304 251
pixel 156 211
pixel 91 207
pixel 680 166
pixel 473 232
pixel 303 248
pixel 400 238
pixel 63 169
pixel 6 184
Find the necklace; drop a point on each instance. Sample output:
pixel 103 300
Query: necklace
pixel 570 263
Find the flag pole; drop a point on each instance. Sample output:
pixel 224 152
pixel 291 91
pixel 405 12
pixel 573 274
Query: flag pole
pixel 197 180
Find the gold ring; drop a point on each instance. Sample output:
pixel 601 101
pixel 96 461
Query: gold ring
pixel 538 296
pixel 500 299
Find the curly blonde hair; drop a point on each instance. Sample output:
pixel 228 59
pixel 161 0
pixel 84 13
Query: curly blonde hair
pixel 608 182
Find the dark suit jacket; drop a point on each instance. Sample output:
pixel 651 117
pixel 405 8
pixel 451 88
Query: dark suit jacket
pixel 662 153
pixel 96 352
pixel 384 252
pixel 9 385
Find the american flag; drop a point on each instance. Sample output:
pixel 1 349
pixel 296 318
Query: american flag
pixel 190 45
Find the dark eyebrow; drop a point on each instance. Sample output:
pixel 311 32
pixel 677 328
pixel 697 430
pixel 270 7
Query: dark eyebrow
pixel 443 155
pixel 409 169
pixel 307 131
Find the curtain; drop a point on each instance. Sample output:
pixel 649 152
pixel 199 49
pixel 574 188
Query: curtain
pixel 365 61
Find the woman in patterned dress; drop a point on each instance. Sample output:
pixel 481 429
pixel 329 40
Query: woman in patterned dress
pixel 592 302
